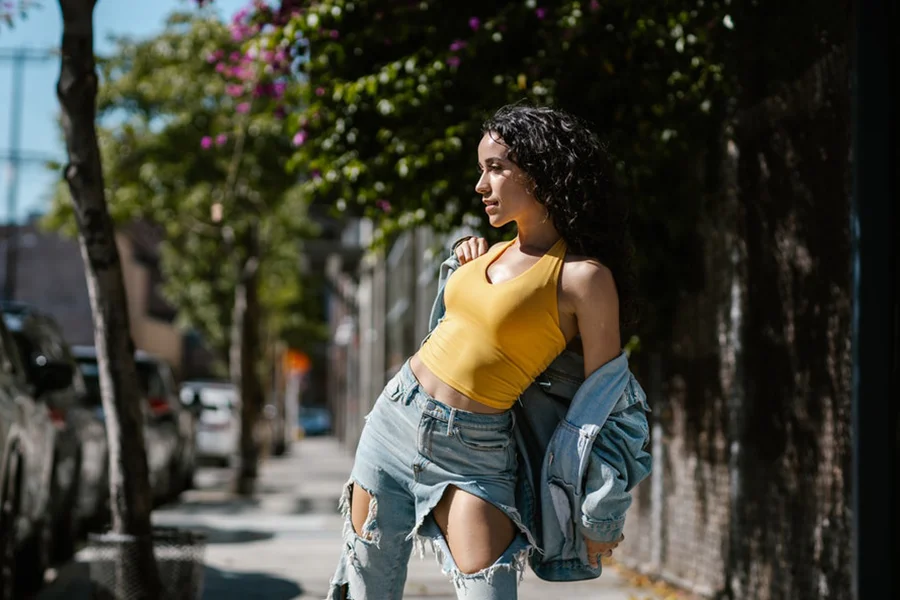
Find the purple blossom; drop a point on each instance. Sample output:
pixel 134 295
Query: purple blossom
pixel 474 23
pixel 234 90
pixel 240 32
pixel 320 91
pixel 453 61
pixel 383 205
pixel 279 113
pixel 457 45
pixel 278 88
pixel 206 142
pixel 220 68
pixel 335 34
pixel 243 107
pixel 316 174
pixel 595 5
pixel 234 56
pixel 299 138
pixel 221 139
pixel 540 13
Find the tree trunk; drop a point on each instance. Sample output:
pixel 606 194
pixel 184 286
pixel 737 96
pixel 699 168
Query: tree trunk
pixel 244 355
pixel 131 500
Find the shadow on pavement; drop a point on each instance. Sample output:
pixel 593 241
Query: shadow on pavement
pixel 221 506
pixel 230 536
pixel 227 585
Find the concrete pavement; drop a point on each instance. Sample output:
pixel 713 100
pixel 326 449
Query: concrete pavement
pixel 285 543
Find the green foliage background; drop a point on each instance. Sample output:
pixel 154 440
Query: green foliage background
pixel 158 99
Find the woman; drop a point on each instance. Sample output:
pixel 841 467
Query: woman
pixel 436 461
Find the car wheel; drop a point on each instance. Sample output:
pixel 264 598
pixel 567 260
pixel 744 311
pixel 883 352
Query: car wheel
pixel 9 512
pixel 34 559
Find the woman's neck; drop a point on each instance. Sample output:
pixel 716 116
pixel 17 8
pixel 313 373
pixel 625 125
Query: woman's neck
pixel 539 236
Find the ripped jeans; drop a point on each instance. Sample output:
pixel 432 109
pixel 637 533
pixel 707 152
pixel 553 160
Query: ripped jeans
pixel 411 449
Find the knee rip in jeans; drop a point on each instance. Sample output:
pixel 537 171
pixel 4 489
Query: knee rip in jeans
pixel 515 561
pixel 369 532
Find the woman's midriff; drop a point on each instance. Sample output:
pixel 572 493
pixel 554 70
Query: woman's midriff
pixel 442 392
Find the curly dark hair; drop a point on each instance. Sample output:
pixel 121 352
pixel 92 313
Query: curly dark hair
pixel 572 174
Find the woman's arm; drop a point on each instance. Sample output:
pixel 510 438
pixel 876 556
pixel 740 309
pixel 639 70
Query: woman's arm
pixel 594 301
pixel 590 291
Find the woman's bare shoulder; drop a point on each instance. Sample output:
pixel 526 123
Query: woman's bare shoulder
pixel 584 271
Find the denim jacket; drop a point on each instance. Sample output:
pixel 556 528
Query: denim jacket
pixel 582 448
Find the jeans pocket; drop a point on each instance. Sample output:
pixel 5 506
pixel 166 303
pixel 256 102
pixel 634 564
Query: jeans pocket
pixel 483 440
pixel 491 448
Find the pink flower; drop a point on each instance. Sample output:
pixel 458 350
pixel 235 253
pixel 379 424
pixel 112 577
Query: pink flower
pixel 279 113
pixel 453 61
pixel 457 45
pixel 278 89
pixel 383 205
pixel 243 107
pixel 335 34
pixel 206 142
pixel 320 91
pixel 234 90
pixel 299 138
pixel 220 68
pixel 541 13
pixel 221 139
pixel 316 174
pixel 474 23
pixel 234 56
pixel 595 5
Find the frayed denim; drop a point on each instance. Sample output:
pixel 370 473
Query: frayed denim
pixel 411 449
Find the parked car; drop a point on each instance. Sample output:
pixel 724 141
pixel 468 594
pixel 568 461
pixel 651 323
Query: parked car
pixel 315 420
pixel 219 423
pixel 27 439
pixel 169 428
pixel 81 483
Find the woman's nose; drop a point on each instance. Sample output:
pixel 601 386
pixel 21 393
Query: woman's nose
pixel 481 186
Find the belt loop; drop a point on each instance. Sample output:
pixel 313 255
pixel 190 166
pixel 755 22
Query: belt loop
pixel 450 421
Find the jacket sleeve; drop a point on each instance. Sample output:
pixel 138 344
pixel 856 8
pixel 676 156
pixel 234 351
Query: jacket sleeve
pixel 437 309
pixel 619 461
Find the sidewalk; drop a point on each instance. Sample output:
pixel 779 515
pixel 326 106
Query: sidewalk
pixel 285 543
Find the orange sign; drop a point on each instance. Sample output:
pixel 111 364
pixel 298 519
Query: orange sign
pixel 296 361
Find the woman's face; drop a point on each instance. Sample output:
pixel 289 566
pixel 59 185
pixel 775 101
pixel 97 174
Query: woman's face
pixel 504 187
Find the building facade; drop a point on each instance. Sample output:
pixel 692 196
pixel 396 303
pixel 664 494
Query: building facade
pixel 49 275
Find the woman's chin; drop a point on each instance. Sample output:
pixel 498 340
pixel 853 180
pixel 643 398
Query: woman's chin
pixel 496 221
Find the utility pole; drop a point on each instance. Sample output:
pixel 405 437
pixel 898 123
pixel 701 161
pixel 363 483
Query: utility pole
pixel 15 157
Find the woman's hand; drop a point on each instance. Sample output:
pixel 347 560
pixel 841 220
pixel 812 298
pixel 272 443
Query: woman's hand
pixel 470 249
pixel 595 550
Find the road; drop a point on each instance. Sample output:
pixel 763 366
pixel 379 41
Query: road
pixel 284 543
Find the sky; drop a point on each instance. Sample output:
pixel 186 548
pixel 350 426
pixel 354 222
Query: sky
pixel 42 29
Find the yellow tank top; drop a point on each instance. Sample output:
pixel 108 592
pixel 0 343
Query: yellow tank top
pixel 495 338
